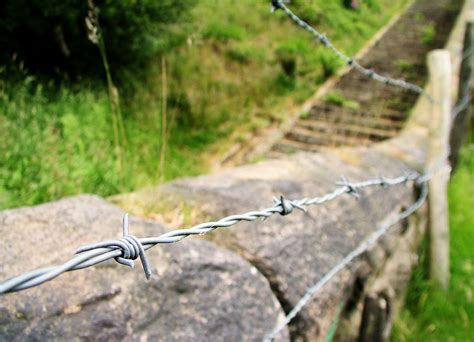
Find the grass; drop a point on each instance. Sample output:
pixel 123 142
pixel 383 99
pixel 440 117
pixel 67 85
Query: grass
pixel 428 34
pixel 54 148
pixel 431 314
pixel 337 99
pixel 241 70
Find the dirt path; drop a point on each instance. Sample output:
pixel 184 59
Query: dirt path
pixel 359 111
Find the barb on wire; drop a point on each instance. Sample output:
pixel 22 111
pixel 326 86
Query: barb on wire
pixel 279 5
pixel 129 248
pixel 364 246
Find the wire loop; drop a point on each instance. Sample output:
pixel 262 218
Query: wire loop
pixel 129 245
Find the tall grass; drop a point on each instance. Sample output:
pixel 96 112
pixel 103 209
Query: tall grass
pixel 96 37
pixel 60 142
pixel 431 314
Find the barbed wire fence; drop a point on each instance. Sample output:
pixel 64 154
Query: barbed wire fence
pixel 362 248
pixel 129 247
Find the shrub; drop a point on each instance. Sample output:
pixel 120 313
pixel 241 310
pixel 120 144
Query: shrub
pixel 52 35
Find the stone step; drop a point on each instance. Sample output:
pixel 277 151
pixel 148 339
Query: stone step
pixel 348 129
pixel 308 136
pixel 290 146
pixel 344 115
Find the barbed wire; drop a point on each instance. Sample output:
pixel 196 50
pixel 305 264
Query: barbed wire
pixel 129 247
pixel 466 98
pixel 461 105
pixel 363 247
pixel 323 39
pixel 468 53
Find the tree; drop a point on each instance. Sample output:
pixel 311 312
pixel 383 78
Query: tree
pixel 51 36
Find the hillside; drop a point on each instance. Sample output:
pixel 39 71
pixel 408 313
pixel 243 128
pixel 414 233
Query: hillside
pixel 241 69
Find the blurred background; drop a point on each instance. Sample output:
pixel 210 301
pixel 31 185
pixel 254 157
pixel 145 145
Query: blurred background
pixel 131 93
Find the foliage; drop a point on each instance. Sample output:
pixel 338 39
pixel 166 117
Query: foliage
pixel 245 53
pixel 339 100
pixel 223 31
pixel 428 34
pixel 403 65
pixel 51 35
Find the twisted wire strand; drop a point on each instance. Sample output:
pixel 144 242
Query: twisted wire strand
pixel 128 248
pixel 278 4
pixel 363 247
pixel 468 53
pixel 461 105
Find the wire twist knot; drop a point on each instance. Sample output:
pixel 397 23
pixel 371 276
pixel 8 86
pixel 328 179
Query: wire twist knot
pixel 324 40
pixel 287 206
pixel 383 182
pixel 411 176
pixel 276 4
pixel 351 189
pixel 129 245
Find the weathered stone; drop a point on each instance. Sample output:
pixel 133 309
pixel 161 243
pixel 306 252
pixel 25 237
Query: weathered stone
pixel 198 292
pixel 295 251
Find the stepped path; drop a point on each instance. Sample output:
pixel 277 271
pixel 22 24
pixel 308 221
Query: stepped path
pixel 360 111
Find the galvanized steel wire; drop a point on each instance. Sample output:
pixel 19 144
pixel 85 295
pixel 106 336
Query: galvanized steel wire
pixel 129 247
pixel 363 247
pixel 462 105
pixel 323 39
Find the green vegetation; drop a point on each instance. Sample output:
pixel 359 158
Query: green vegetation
pixel 428 33
pixel 238 69
pixel 223 31
pixel 51 36
pixel 339 100
pixel 403 65
pixel 431 314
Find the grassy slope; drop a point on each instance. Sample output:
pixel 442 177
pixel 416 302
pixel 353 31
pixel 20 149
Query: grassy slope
pixel 430 314
pixel 226 81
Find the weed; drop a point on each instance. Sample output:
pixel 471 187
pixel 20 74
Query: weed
pixel 428 34
pixel 223 31
pixel 95 35
pixel 245 53
pixel 403 65
pixel 288 53
pixel 419 17
pixel 339 100
pixel 329 63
